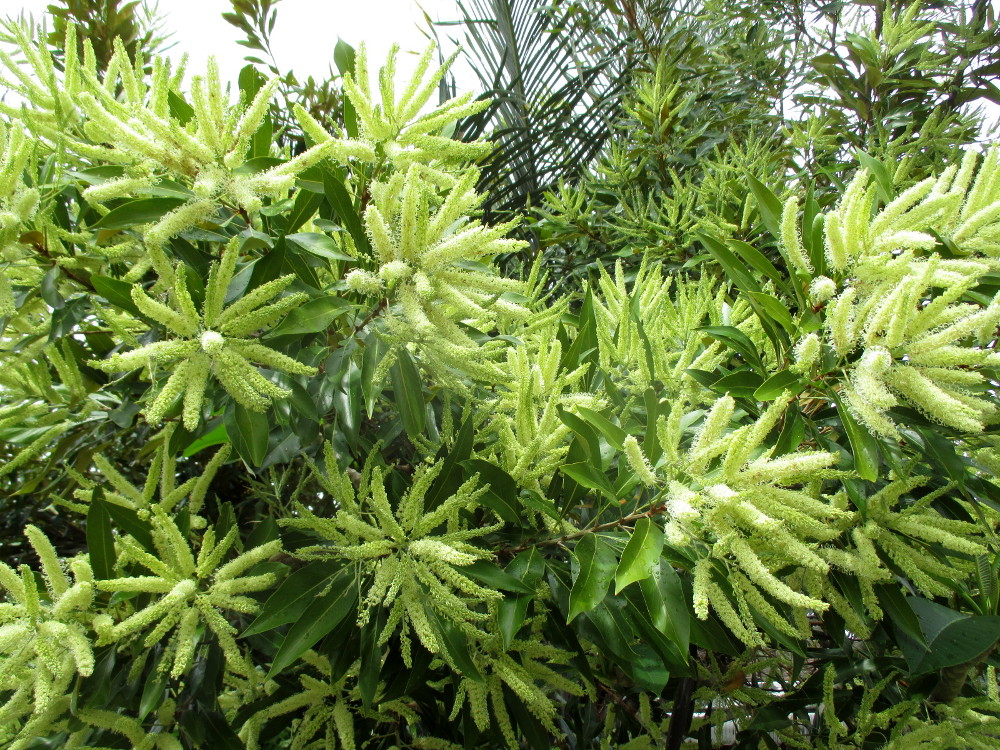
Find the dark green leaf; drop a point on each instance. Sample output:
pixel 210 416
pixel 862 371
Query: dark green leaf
pixel 502 495
pixel 313 316
pixel 319 245
pixel 408 390
pixel 594 564
pixel 775 385
pixel 322 615
pixel 641 555
pixel 862 442
pixel 295 594
pixel 248 431
pixel 100 540
pixel 134 213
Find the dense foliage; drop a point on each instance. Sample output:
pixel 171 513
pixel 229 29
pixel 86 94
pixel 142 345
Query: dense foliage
pixel 286 461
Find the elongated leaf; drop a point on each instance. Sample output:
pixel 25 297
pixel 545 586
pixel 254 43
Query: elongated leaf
pixel 408 389
pixel 527 568
pixel 456 645
pixel 502 496
pixel 775 385
pixel 668 608
pixel 248 431
pixel 490 574
pixel 952 637
pixel 738 341
pixel 134 213
pixel 319 245
pixel 295 594
pixel 318 619
pixel 770 206
pixel 314 316
pixel 343 206
pixel 594 564
pixel 587 476
pixel 614 434
pixel 100 540
pixel 118 293
pixel 641 556
pixel 863 444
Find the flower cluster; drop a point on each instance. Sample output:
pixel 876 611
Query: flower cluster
pixel 44 638
pixel 411 556
pixel 328 709
pixel 213 343
pixel 187 590
pixel 518 668
pixel 18 204
pixel 431 260
pixel 747 514
pixel 530 438
pixel 901 311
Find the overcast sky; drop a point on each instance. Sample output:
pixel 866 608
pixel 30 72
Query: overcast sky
pixel 304 35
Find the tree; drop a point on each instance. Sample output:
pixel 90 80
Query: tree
pixel 295 466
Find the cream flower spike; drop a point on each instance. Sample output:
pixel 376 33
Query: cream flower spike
pixel 413 553
pixel 421 251
pixel 128 121
pixel 44 633
pixel 214 343
pixel 188 589
pixel 18 204
pixel 393 128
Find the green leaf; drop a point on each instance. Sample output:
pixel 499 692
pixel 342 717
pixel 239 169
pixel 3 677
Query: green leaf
pixel 614 434
pixel 343 206
pixel 527 568
pixel 118 293
pixel 248 431
pixel 451 456
pixel 313 316
pixel 295 594
pixel 641 555
pixel 502 495
pixel 952 637
pixel 456 646
pixel 488 573
pixel 217 436
pixel 587 476
pixel 863 444
pixel 303 209
pixel 343 56
pixel 770 206
pixel 775 385
pixel 322 615
pixel 735 270
pixel 375 349
pixel 128 521
pixel 142 211
pixel 883 181
pixel 594 564
pixel 759 262
pixel 738 341
pixel 100 540
pixel 587 435
pixel 319 245
pixel 668 608
pixel 371 655
pixel 409 392
pixel 775 309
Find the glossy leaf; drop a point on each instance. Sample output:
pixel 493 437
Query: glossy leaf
pixel 594 566
pixel 642 554
pixel 322 615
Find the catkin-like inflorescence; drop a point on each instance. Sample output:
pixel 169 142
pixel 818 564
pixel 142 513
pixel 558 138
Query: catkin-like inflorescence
pixel 212 344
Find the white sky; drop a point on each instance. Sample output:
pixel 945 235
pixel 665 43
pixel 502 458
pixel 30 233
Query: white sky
pixel 304 35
